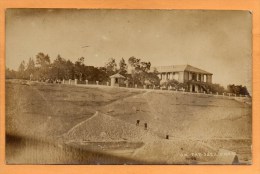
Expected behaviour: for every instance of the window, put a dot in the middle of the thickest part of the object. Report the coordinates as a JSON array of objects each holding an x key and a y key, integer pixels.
[{"x": 193, "y": 76}]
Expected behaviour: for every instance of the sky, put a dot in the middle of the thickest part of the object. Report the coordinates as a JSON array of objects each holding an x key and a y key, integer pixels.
[{"x": 219, "y": 42}]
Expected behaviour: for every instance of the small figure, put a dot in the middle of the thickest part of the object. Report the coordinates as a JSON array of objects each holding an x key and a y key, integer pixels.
[
  {"x": 137, "y": 122},
  {"x": 31, "y": 77},
  {"x": 145, "y": 126},
  {"x": 167, "y": 137}
]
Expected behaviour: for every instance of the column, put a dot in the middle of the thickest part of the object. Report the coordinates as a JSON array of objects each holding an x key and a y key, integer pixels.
[
  {"x": 196, "y": 88},
  {"x": 209, "y": 78}
]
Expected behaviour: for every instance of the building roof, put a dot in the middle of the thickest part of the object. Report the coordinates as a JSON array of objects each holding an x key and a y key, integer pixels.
[
  {"x": 179, "y": 68},
  {"x": 117, "y": 75}
]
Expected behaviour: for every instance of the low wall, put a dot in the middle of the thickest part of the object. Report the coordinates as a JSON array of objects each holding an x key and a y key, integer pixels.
[{"x": 240, "y": 98}]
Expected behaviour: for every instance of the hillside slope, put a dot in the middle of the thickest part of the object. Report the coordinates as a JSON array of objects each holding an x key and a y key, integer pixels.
[
  {"x": 195, "y": 123},
  {"x": 104, "y": 128},
  {"x": 186, "y": 116}
]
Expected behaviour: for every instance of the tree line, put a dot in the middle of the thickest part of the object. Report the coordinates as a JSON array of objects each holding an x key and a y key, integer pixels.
[
  {"x": 136, "y": 71},
  {"x": 237, "y": 89},
  {"x": 41, "y": 68}
]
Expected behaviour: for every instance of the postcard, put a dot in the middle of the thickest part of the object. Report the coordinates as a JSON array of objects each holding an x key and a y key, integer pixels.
[{"x": 117, "y": 86}]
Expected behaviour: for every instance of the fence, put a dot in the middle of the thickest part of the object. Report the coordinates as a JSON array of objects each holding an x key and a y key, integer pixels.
[{"x": 154, "y": 88}]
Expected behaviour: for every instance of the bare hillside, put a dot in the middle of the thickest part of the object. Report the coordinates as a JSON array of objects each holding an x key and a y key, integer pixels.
[
  {"x": 103, "y": 119},
  {"x": 189, "y": 116}
]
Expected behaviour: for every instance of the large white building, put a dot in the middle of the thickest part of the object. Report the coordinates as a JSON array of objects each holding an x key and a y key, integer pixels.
[{"x": 197, "y": 78}]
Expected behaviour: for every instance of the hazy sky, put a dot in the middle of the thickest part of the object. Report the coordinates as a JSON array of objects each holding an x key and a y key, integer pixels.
[{"x": 215, "y": 41}]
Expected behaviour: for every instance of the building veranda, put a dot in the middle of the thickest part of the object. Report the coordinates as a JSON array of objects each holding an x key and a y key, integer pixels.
[{"x": 196, "y": 80}]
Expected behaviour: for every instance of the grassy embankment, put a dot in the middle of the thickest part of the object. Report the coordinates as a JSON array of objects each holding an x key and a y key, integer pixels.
[{"x": 195, "y": 123}]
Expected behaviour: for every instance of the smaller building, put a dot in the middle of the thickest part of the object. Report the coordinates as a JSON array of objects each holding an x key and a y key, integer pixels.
[{"x": 117, "y": 80}]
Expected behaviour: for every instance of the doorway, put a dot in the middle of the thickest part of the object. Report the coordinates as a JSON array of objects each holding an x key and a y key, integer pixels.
[{"x": 193, "y": 88}]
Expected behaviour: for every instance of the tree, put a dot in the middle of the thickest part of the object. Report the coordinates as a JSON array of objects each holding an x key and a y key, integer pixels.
[
  {"x": 101, "y": 74},
  {"x": 43, "y": 62},
  {"x": 238, "y": 89},
  {"x": 42, "y": 59},
  {"x": 151, "y": 78},
  {"x": 88, "y": 72},
  {"x": 134, "y": 62},
  {"x": 111, "y": 66},
  {"x": 174, "y": 83},
  {"x": 10, "y": 74},
  {"x": 145, "y": 66},
  {"x": 216, "y": 88},
  {"x": 30, "y": 67},
  {"x": 122, "y": 67},
  {"x": 140, "y": 70},
  {"x": 69, "y": 70},
  {"x": 21, "y": 66},
  {"x": 21, "y": 70},
  {"x": 58, "y": 70},
  {"x": 244, "y": 91},
  {"x": 79, "y": 68}
]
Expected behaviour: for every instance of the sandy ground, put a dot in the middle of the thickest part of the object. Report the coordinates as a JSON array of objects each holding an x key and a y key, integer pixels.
[{"x": 103, "y": 120}]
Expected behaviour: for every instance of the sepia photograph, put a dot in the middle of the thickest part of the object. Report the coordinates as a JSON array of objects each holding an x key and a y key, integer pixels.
[{"x": 117, "y": 86}]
